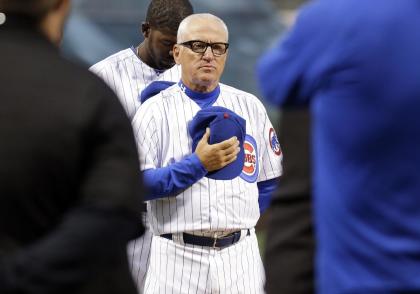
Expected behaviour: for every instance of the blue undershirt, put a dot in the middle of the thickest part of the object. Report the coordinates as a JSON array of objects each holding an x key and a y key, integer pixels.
[
  {"x": 202, "y": 99},
  {"x": 265, "y": 192},
  {"x": 170, "y": 180}
]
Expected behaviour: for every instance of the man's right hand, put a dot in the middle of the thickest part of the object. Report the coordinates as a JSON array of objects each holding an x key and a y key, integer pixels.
[{"x": 216, "y": 156}]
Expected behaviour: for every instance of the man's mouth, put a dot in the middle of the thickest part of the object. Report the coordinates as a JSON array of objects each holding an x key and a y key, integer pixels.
[{"x": 207, "y": 66}]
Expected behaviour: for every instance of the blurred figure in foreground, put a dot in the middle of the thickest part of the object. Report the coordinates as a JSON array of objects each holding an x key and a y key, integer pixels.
[
  {"x": 69, "y": 190},
  {"x": 290, "y": 245},
  {"x": 355, "y": 63}
]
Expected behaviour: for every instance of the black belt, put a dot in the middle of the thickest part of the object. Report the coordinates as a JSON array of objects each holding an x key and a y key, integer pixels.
[{"x": 218, "y": 243}]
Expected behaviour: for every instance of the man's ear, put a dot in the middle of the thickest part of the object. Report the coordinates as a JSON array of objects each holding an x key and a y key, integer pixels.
[
  {"x": 145, "y": 29},
  {"x": 176, "y": 51}
]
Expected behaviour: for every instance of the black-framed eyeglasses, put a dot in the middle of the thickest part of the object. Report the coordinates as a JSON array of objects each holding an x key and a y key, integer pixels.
[{"x": 197, "y": 46}]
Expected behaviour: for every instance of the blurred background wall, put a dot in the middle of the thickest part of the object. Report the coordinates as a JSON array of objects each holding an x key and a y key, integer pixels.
[{"x": 98, "y": 28}]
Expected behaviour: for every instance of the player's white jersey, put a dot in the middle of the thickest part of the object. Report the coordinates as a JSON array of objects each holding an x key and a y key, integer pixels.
[
  {"x": 127, "y": 75},
  {"x": 160, "y": 126}
]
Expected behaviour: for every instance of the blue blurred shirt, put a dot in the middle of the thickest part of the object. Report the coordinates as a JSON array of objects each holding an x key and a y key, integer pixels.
[{"x": 356, "y": 64}]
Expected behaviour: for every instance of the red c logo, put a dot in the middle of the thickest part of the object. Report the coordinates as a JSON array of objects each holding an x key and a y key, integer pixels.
[{"x": 250, "y": 160}]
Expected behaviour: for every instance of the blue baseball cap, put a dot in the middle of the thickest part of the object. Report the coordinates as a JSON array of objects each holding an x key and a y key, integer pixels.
[
  {"x": 153, "y": 89},
  {"x": 223, "y": 124}
]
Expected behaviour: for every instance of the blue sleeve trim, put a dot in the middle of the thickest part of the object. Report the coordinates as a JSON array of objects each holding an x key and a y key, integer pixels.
[
  {"x": 166, "y": 181},
  {"x": 265, "y": 191}
]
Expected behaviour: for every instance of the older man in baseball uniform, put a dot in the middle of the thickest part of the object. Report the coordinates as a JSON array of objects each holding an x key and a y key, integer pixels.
[{"x": 203, "y": 208}]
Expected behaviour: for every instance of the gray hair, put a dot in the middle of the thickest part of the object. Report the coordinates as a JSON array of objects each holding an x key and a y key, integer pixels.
[{"x": 183, "y": 26}]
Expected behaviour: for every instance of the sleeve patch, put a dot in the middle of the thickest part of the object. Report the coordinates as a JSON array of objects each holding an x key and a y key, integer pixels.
[
  {"x": 250, "y": 169},
  {"x": 274, "y": 142}
]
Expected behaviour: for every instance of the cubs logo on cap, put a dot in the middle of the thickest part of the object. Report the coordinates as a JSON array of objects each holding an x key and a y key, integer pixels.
[{"x": 223, "y": 124}]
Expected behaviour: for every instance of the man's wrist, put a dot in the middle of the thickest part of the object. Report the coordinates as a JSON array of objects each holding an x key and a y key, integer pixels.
[{"x": 198, "y": 165}]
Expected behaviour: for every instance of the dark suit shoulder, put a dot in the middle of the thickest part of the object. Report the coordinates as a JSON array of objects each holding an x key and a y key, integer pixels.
[
  {"x": 35, "y": 66},
  {"x": 76, "y": 131}
]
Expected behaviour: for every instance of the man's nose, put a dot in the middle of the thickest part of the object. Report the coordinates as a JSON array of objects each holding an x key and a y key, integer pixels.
[{"x": 208, "y": 54}]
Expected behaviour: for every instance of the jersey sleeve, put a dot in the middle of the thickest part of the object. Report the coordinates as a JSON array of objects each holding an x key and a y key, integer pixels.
[
  {"x": 265, "y": 193},
  {"x": 101, "y": 71},
  {"x": 172, "y": 179},
  {"x": 113, "y": 78},
  {"x": 146, "y": 125},
  {"x": 271, "y": 155},
  {"x": 117, "y": 74}
]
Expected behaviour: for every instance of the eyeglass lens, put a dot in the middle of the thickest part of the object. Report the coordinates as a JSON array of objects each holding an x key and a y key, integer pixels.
[{"x": 201, "y": 47}]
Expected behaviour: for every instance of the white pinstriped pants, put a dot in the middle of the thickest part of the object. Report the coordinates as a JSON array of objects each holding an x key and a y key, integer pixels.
[
  {"x": 139, "y": 255},
  {"x": 176, "y": 268}
]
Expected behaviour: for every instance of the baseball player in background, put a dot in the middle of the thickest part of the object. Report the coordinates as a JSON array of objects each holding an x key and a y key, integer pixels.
[
  {"x": 204, "y": 238},
  {"x": 129, "y": 71}
]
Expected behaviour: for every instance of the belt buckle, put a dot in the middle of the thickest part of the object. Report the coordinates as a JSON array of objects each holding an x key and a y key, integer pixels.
[{"x": 215, "y": 240}]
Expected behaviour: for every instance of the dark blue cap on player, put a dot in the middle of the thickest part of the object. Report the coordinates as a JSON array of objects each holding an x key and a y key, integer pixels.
[
  {"x": 153, "y": 89},
  {"x": 223, "y": 124}
]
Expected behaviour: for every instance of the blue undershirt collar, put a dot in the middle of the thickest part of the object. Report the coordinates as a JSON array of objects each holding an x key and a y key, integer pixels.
[{"x": 202, "y": 99}]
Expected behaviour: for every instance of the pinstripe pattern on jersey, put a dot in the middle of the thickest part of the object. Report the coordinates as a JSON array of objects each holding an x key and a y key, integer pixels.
[
  {"x": 160, "y": 127},
  {"x": 176, "y": 268},
  {"x": 139, "y": 256},
  {"x": 127, "y": 75}
]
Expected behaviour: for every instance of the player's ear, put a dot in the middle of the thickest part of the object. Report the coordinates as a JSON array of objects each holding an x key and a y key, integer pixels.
[
  {"x": 176, "y": 53},
  {"x": 145, "y": 29}
]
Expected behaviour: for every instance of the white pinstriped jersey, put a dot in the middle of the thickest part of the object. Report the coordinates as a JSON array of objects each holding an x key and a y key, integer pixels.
[
  {"x": 160, "y": 126},
  {"x": 127, "y": 75}
]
